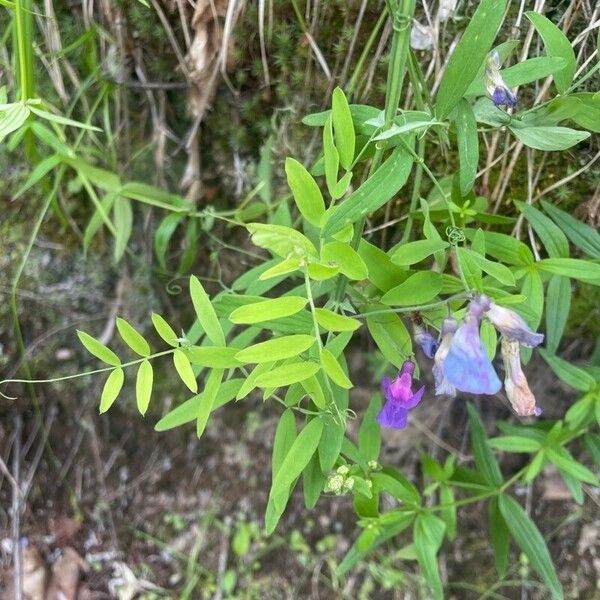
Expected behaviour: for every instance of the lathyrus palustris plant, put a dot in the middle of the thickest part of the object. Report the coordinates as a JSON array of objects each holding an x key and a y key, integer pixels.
[{"x": 457, "y": 278}]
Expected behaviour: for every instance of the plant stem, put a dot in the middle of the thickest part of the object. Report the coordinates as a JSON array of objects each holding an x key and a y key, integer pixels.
[
  {"x": 86, "y": 373},
  {"x": 402, "y": 22}
]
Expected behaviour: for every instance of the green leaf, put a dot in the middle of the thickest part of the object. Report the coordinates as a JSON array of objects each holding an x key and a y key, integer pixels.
[
  {"x": 123, "y": 222},
  {"x": 331, "y": 159},
  {"x": 285, "y": 435},
  {"x": 558, "y": 305},
  {"x": 333, "y": 369},
  {"x": 468, "y": 145},
  {"x": 448, "y": 514},
  {"x": 164, "y": 330},
  {"x": 295, "y": 461},
  {"x": 48, "y": 116},
  {"x": 343, "y": 128},
  {"x": 497, "y": 270},
  {"x": 12, "y": 119},
  {"x": 387, "y": 180},
  {"x": 552, "y": 237},
  {"x": 395, "y": 484},
  {"x": 320, "y": 272},
  {"x": 188, "y": 410},
  {"x": 499, "y": 536},
  {"x": 592, "y": 444},
  {"x": 531, "y": 542},
  {"x": 267, "y": 310},
  {"x": 184, "y": 370},
  {"x": 276, "y": 349},
  {"x": 564, "y": 460},
  {"x": 548, "y": 138},
  {"x": 584, "y": 270},
  {"x": 556, "y": 44},
  {"x": 331, "y": 321},
  {"x": 484, "y": 459},
  {"x": 514, "y": 443},
  {"x": 98, "y": 349},
  {"x": 306, "y": 192},
  {"x": 281, "y": 240},
  {"x": 504, "y": 248},
  {"x": 469, "y": 54},
  {"x": 207, "y": 317},
  {"x": 209, "y": 395},
  {"x": 143, "y": 386},
  {"x": 111, "y": 389},
  {"x": 132, "y": 338},
  {"x": 162, "y": 236},
  {"x": 369, "y": 434},
  {"x": 583, "y": 236},
  {"x": 428, "y": 534},
  {"x": 313, "y": 481},
  {"x": 214, "y": 357},
  {"x": 414, "y": 252},
  {"x": 282, "y": 268},
  {"x": 419, "y": 288},
  {"x": 346, "y": 258},
  {"x": 392, "y": 338},
  {"x": 287, "y": 374},
  {"x": 366, "y": 541}
]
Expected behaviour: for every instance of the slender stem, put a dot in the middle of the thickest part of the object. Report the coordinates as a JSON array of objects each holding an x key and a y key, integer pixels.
[
  {"x": 313, "y": 312},
  {"x": 86, "y": 373},
  {"x": 408, "y": 309},
  {"x": 416, "y": 192}
]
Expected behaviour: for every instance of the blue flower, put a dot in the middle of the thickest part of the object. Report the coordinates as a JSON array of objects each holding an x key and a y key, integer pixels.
[
  {"x": 442, "y": 386},
  {"x": 426, "y": 341},
  {"x": 515, "y": 382},
  {"x": 399, "y": 397},
  {"x": 496, "y": 87},
  {"x": 467, "y": 366},
  {"x": 512, "y": 326}
]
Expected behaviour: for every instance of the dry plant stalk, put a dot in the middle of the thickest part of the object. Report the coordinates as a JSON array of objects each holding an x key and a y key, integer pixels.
[{"x": 212, "y": 24}]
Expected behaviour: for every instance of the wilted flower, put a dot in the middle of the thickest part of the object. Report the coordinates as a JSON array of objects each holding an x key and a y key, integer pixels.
[
  {"x": 515, "y": 382},
  {"x": 425, "y": 340},
  {"x": 499, "y": 92},
  {"x": 512, "y": 326},
  {"x": 442, "y": 386},
  {"x": 467, "y": 366},
  {"x": 399, "y": 397}
]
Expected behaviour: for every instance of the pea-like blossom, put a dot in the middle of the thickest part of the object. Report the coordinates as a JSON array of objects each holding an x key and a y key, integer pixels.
[
  {"x": 442, "y": 386},
  {"x": 467, "y": 366},
  {"x": 399, "y": 397},
  {"x": 499, "y": 92},
  {"x": 512, "y": 326},
  {"x": 515, "y": 382},
  {"x": 425, "y": 340}
]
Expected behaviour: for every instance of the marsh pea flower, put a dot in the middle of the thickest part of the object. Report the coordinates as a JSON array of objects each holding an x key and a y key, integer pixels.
[
  {"x": 426, "y": 341},
  {"x": 442, "y": 386},
  {"x": 499, "y": 92},
  {"x": 512, "y": 326},
  {"x": 515, "y": 382},
  {"x": 399, "y": 397},
  {"x": 467, "y": 366}
]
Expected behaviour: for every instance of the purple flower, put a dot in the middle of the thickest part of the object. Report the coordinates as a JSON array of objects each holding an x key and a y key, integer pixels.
[
  {"x": 496, "y": 87},
  {"x": 515, "y": 382},
  {"x": 467, "y": 366},
  {"x": 399, "y": 397},
  {"x": 442, "y": 386},
  {"x": 512, "y": 326},
  {"x": 426, "y": 341},
  {"x": 502, "y": 96}
]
